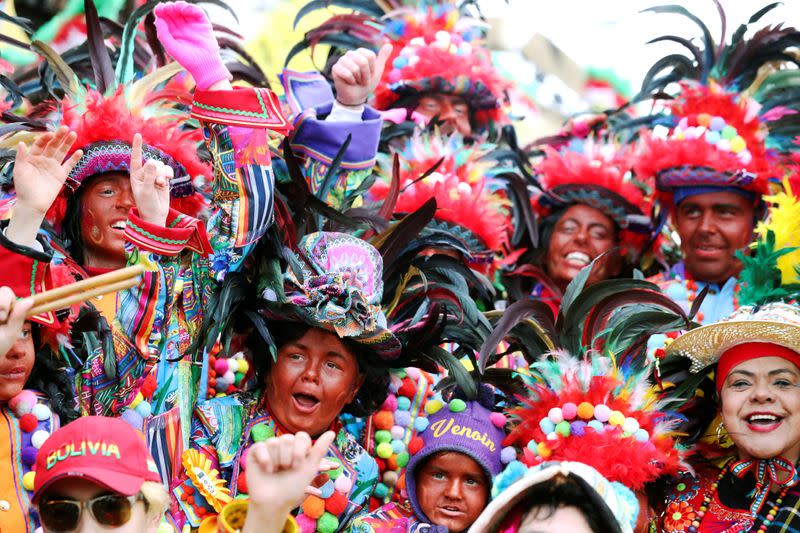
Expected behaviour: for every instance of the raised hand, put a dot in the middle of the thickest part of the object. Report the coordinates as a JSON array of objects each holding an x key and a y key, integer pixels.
[
  {"x": 39, "y": 175},
  {"x": 150, "y": 185},
  {"x": 187, "y": 35},
  {"x": 12, "y": 317},
  {"x": 279, "y": 471},
  {"x": 357, "y": 73}
]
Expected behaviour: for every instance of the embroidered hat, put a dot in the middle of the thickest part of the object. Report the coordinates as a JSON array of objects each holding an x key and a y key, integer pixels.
[
  {"x": 104, "y": 450},
  {"x": 460, "y": 426},
  {"x": 337, "y": 285}
]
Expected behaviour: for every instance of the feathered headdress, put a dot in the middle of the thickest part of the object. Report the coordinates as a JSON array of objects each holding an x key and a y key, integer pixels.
[
  {"x": 730, "y": 123},
  {"x": 599, "y": 176},
  {"x": 589, "y": 411},
  {"x": 435, "y": 50},
  {"x": 468, "y": 203}
]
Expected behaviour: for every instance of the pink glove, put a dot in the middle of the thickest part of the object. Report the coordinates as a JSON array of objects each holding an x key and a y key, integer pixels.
[{"x": 187, "y": 35}]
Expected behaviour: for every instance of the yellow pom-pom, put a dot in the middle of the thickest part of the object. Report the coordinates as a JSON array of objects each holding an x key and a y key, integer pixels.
[
  {"x": 27, "y": 480},
  {"x": 136, "y": 401},
  {"x": 384, "y": 450},
  {"x": 543, "y": 451},
  {"x": 433, "y": 406},
  {"x": 244, "y": 366},
  {"x": 738, "y": 144},
  {"x": 586, "y": 410},
  {"x": 616, "y": 418}
]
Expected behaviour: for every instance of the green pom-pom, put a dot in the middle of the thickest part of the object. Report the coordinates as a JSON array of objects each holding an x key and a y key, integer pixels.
[
  {"x": 563, "y": 428},
  {"x": 402, "y": 459},
  {"x": 333, "y": 474},
  {"x": 384, "y": 450},
  {"x": 383, "y": 436},
  {"x": 261, "y": 432},
  {"x": 237, "y": 377},
  {"x": 457, "y": 405},
  {"x": 401, "y": 373},
  {"x": 327, "y": 523}
]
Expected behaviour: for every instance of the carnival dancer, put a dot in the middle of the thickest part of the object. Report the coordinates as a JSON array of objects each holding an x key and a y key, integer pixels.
[
  {"x": 560, "y": 496},
  {"x": 449, "y": 477},
  {"x": 727, "y": 136}
]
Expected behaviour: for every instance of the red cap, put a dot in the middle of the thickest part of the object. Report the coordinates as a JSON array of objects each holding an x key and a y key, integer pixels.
[{"x": 106, "y": 451}]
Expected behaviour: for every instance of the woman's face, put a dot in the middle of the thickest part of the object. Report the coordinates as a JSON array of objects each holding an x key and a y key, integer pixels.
[
  {"x": 311, "y": 381},
  {"x": 16, "y": 365},
  {"x": 566, "y": 518},
  {"x": 105, "y": 203},
  {"x": 452, "y": 490},
  {"x": 580, "y": 235},
  {"x": 761, "y": 408},
  {"x": 83, "y": 490}
]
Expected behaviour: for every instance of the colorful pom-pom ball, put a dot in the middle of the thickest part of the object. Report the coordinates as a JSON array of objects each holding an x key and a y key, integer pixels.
[
  {"x": 41, "y": 411},
  {"x": 403, "y": 403},
  {"x": 391, "y": 462},
  {"x": 433, "y": 406},
  {"x": 381, "y": 491},
  {"x": 29, "y": 455},
  {"x": 724, "y": 145},
  {"x": 241, "y": 482},
  {"x": 421, "y": 423},
  {"x": 38, "y": 438},
  {"x": 400, "y": 62},
  {"x": 458, "y": 405},
  {"x": 602, "y": 412},
  {"x": 23, "y": 402},
  {"x": 390, "y": 404},
  {"x": 415, "y": 445},
  {"x": 402, "y": 459},
  {"x": 713, "y": 137},
  {"x": 389, "y": 478},
  {"x": 569, "y": 410},
  {"x": 313, "y": 506},
  {"x": 407, "y": 389},
  {"x": 630, "y": 425},
  {"x": 229, "y": 377},
  {"x": 233, "y": 366},
  {"x": 383, "y": 436},
  {"x": 336, "y": 504},
  {"x": 555, "y": 415},
  {"x": 683, "y": 123},
  {"x": 745, "y": 157},
  {"x": 498, "y": 420},
  {"x": 384, "y": 450},
  {"x": 728, "y": 133},
  {"x": 398, "y": 446},
  {"x": 596, "y": 425},
  {"x": 413, "y": 373},
  {"x": 144, "y": 409},
  {"x": 717, "y": 123},
  {"x": 261, "y": 432},
  {"x": 641, "y": 435},
  {"x": 507, "y": 455},
  {"x": 397, "y": 432},
  {"x": 738, "y": 144},
  {"x": 326, "y": 490},
  {"x": 27, "y": 480},
  {"x": 543, "y": 451},
  {"x": 28, "y": 422},
  {"x": 383, "y": 420},
  {"x": 586, "y": 410},
  {"x": 616, "y": 418},
  {"x": 563, "y": 428},
  {"x": 133, "y": 418},
  {"x": 704, "y": 119},
  {"x": 402, "y": 418},
  {"x": 336, "y": 472},
  {"x": 343, "y": 484},
  {"x": 306, "y": 524},
  {"x": 244, "y": 366},
  {"x": 578, "y": 428},
  {"x": 546, "y": 425},
  {"x": 532, "y": 446},
  {"x": 221, "y": 366},
  {"x": 239, "y": 377}
]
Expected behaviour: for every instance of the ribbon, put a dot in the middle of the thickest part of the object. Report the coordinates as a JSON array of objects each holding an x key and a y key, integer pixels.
[{"x": 766, "y": 472}]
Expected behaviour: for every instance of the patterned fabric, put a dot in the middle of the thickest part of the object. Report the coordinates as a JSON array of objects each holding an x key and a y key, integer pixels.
[
  {"x": 720, "y": 301},
  {"x": 391, "y": 518},
  {"x": 338, "y": 289},
  {"x": 222, "y": 431},
  {"x": 729, "y": 509}
]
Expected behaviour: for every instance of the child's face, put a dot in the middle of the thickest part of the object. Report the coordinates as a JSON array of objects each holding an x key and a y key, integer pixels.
[
  {"x": 452, "y": 490},
  {"x": 16, "y": 365}
]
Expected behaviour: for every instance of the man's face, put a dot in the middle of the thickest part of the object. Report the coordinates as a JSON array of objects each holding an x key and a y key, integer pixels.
[
  {"x": 712, "y": 226},
  {"x": 104, "y": 212},
  {"x": 452, "y": 110}
]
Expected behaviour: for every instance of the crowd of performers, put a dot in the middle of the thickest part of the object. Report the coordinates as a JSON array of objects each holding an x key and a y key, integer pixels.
[{"x": 363, "y": 306}]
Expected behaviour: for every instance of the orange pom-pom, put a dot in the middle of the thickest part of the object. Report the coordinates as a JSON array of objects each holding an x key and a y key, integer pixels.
[
  {"x": 392, "y": 462},
  {"x": 336, "y": 504},
  {"x": 383, "y": 420},
  {"x": 401, "y": 482},
  {"x": 313, "y": 507}
]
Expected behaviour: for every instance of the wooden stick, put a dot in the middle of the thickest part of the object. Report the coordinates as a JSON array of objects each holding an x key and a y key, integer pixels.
[
  {"x": 82, "y": 296},
  {"x": 116, "y": 276}
]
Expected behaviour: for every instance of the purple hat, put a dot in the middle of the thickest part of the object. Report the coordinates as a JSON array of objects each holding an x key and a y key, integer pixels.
[{"x": 461, "y": 426}]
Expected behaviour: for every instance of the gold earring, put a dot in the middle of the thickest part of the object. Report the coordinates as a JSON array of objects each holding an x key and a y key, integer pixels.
[
  {"x": 720, "y": 427},
  {"x": 95, "y": 232}
]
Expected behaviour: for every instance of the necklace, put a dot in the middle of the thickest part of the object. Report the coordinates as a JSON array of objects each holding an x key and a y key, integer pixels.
[{"x": 771, "y": 514}]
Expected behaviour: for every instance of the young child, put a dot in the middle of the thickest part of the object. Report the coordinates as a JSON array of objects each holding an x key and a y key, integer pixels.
[{"x": 449, "y": 477}]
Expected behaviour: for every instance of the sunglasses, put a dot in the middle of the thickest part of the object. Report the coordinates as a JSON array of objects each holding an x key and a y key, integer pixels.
[{"x": 109, "y": 510}]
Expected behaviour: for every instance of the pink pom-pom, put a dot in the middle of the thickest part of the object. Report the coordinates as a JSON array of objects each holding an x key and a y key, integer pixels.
[
  {"x": 343, "y": 484},
  {"x": 394, "y": 75},
  {"x": 390, "y": 404},
  {"x": 306, "y": 524},
  {"x": 569, "y": 410},
  {"x": 498, "y": 420},
  {"x": 23, "y": 402},
  {"x": 221, "y": 366},
  {"x": 412, "y": 372}
]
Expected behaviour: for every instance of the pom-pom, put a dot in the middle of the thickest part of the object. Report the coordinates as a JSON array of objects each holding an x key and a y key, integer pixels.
[
  {"x": 641, "y": 435},
  {"x": 555, "y": 415},
  {"x": 717, "y": 123},
  {"x": 41, "y": 412},
  {"x": 577, "y": 428},
  {"x": 433, "y": 406},
  {"x": 306, "y": 524},
  {"x": 383, "y": 420},
  {"x": 149, "y": 386},
  {"x": 563, "y": 428},
  {"x": 402, "y": 418},
  {"x": 596, "y": 425},
  {"x": 630, "y": 425},
  {"x": 403, "y": 403},
  {"x": 383, "y": 436},
  {"x": 23, "y": 402},
  {"x": 508, "y": 454},
  {"x": 327, "y": 489},
  {"x": 543, "y": 451},
  {"x": 133, "y": 418},
  {"x": 547, "y": 425},
  {"x": 586, "y": 410},
  {"x": 616, "y": 418},
  {"x": 728, "y": 133},
  {"x": 384, "y": 450},
  {"x": 261, "y": 432},
  {"x": 229, "y": 377},
  {"x": 241, "y": 482},
  {"x": 602, "y": 412},
  {"x": 415, "y": 445},
  {"x": 244, "y": 366},
  {"x": 336, "y": 472},
  {"x": 390, "y": 404},
  {"x": 397, "y": 432},
  {"x": 389, "y": 478},
  {"x": 38, "y": 438},
  {"x": 221, "y": 366},
  {"x": 144, "y": 409},
  {"x": 28, "y": 480},
  {"x": 421, "y": 424},
  {"x": 28, "y": 422},
  {"x": 313, "y": 507},
  {"x": 402, "y": 459},
  {"x": 498, "y": 419},
  {"x": 327, "y": 523},
  {"x": 457, "y": 406},
  {"x": 343, "y": 484},
  {"x": 139, "y": 398},
  {"x": 569, "y": 410},
  {"x": 29, "y": 455},
  {"x": 381, "y": 491},
  {"x": 398, "y": 446},
  {"x": 407, "y": 389},
  {"x": 336, "y": 504},
  {"x": 233, "y": 366}
]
